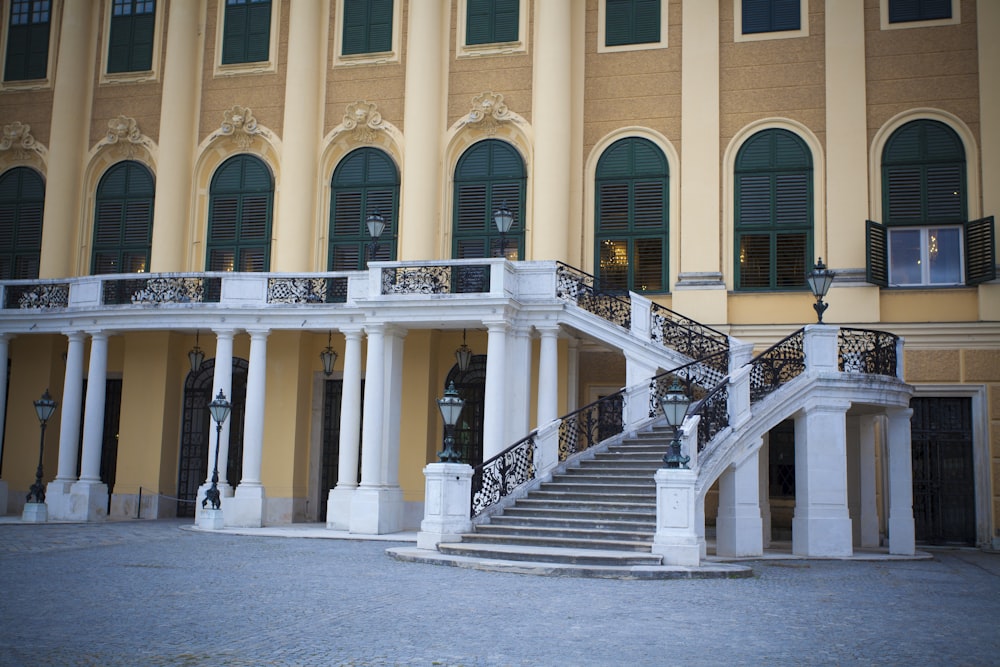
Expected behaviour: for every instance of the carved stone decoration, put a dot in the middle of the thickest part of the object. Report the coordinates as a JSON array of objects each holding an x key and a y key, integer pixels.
[
  {"x": 55, "y": 295},
  {"x": 363, "y": 120},
  {"x": 17, "y": 138},
  {"x": 123, "y": 131},
  {"x": 239, "y": 124},
  {"x": 488, "y": 112}
]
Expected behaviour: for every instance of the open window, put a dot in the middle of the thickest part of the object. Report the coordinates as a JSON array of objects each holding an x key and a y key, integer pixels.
[{"x": 931, "y": 255}]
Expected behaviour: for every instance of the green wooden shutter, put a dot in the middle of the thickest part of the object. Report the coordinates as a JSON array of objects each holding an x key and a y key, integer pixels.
[
  {"x": 489, "y": 174},
  {"x": 877, "y": 240},
  {"x": 22, "y": 198},
  {"x": 491, "y": 21},
  {"x": 366, "y": 181},
  {"x": 27, "y": 40},
  {"x": 240, "y": 208},
  {"x": 123, "y": 220},
  {"x": 631, "y": 22},
  {"x": 770, "y": 15},
  {"x": 367, "y": 26},
  {"x": 980, "y": 251},
  {"x": 130, "y": 42},
  {"x": 247, "y": 31},
  {"x": 902, "y": 11},
  {"x": 923, "y": 175}
]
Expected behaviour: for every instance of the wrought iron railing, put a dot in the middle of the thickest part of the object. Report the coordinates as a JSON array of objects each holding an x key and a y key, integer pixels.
[
  {"x": 689, "y": 337},
  {"x": 867, "y": 351},
  {"x": 436, "y": 279},
  {"x": 780, "y": 363},
  {"x": 713, "y": 408},
  {"x": 591, "y": 424},
  {"x": 496, "y": 478},
  {"x": 581, "y": 289},
  {"x": 697, "y": 378},
  {"x": 36, "y": 295},
  {"x": 307, "y": 290},
  {"x": 156, "y": 290}
]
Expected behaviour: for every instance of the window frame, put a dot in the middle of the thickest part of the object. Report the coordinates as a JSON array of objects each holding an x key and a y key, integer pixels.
[
  {"x": 885, "y": 24},
  {"x": 464, "y": 50},
  {"x": 135, "y": 76},
  {"x": 390, "y": 235},
  {"x": 238, "y": 244},
  {"x": 122, "y": 247},
  {"x": 16, "y": 251},
  {"x": 977, "y": 239},
  {"x": 602, "y": 30},
  {"x": 55, "y": 15},
  {"x": 740, "y": 36},
  {"x": 393, "y": 55},
  {"x": 256, "y": 67}
]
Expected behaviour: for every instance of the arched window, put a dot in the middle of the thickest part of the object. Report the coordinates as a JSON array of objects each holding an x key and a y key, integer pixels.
[
  {"x": 239, "y": 216},
  {"x": 630, "y": 247},
  {"x": 926, "y": 237},
  {"x": 488, "y": 178},
  {"x": 123, "y": 220},
  {"x": 366, "y": 182},
  {"x": 774, "y": 212},
  {"x": 22, "y": 200}
]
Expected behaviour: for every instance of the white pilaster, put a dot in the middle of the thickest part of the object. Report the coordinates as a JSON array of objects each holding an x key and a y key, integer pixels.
[
  {"x": 739, "y": 529},
  {"x": 821, "y": 525},
  {"x": 448, "y": 487},
  {"x": 901, "y": 529},
  {"x": 518, "y": 398},
  {"x": 548, "y": 374},
  {"x": 868, "y": 500},
  {"x": 494, "y": 417},
  {"x": 58, "y": 490},
  {"x": 676, "y": 536},
  {"x": 246, "y": 508},
  {"x": 338, "y": 505},
  {"x": 89, "y": 496}
]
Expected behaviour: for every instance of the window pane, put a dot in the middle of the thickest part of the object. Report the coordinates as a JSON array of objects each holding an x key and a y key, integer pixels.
[
  {"x": 944, "y": 253},
  {"x": 755, "y": 261},
  {"x": 614, "y": 264},
  {"x": 790, "y": 260},
  {"x": 648, "y": 269},
  {"x": 904, "y": 257}
]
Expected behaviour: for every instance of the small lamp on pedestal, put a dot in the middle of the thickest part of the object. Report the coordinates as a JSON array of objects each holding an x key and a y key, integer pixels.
[
  {"x": 219, "y": 408},
  {"x": 820, "y": 279},
  {"x": 675, "y": 404},
  {"x": 450, "y": 405},
  {"x": 44, "y": 407}
]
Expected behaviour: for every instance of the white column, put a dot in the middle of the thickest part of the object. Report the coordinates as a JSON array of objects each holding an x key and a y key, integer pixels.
[
  {"x": 901, "y": 529},
  {"x": 548, "y": 375},
  {"x": 494, "y": 410},
  {"x": 371, "y": 436},
  {"x": 89, "y": 496},
  {"x": 4, "y": 351},
  {"x": 394, "y": 338},
  {"x": 248, "y": 503},
  {"x": 58, "y": 490},
  {"x": 519, "y": 389},
  {"x": 222, "y": 380},
  {"x": 821, "y": 525},
  {"x": 338, "y": 507},
  {"x": 572, "y": 375},
  {"x": 738, "y": 525}
]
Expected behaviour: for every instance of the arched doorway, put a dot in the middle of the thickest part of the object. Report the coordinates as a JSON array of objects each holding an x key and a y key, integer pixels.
[
  {"x": 196, "y": 430},
  {"x": 471, "y": 386}
]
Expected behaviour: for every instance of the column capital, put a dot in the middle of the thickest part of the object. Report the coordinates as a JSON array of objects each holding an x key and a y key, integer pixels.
[
  {"x": 224, "y": 333},
  {"x": 258, "y": 333},
  {"x": 76, "y": 336}
]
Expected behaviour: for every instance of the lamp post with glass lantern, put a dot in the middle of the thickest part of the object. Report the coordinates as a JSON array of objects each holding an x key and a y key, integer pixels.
[
  {"x": 503, "y": 218},
  {"x": 375, "y": 222},
  {"x": 820, "y": 279},
  {"x": 674, "y": 405},
  {"x": 44, "y": 407},
  {"x": 328, "y": 356},
  {"x": 219, "y": 408},
  {"x": 450, "y": 405}
]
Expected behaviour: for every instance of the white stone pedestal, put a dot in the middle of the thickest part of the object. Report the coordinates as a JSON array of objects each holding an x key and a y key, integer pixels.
[
  {"x": 377, "y": 510},
  {"x": 338, "y": 507},
  {"x": 35, "y": 513},
  {"x": 210, "y": 519},
  {"x": 822, "y": 532},
  {"x": 446, "y": 504},
  {"x": 225, "y": 491},
  {"x": 57, "y": 498},
  {"x": 88, "y": 501},
  {"x": 246, "y": 508},
  {"x": 676, "y": 536}
]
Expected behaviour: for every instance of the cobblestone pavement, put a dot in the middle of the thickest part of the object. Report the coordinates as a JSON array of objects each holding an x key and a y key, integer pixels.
[{"x": 150, "y": 593}]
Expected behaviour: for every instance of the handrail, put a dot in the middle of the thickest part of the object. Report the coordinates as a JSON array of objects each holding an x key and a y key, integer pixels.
[
  {"x": 496, "y": 478},
  {"x": 687, "y": 336},
  {"x": 580, "y": 288},
  {"x": 776, "y": 365},
  {"x": 867, "y": 351},
  {"x": 713, "y": 408},
  {"x": 699, "y": 376},
  {"x": 585, "y": 427}
]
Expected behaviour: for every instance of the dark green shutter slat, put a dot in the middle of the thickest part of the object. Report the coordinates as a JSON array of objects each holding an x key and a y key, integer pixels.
[
  {"x": 754, "y": 202},
  {"x": 612, "y": 207},
  {"x": 27, "y": 51},
  {"x": 364, "y": 182},
  {"x": 240, "y": 209},
  {"x": 123, "y": 219},
  {"x": 478, "y": 22},
  {"x": 648, "y": 206},
  {"x": 756, "y": 16},
  {"x": 619, "y": 22},
  {"x": 647, "y": 22},
  {"x": 130, "y": 44},
  {"x": 489, "y": 174},
  {"x": 258, "y": 32},
  {"x": 234, "y": 34},
  {"x": 246, "y": 33},
  {"x": 901, "y": 11},
  {"x": 22, "y": 197},
  {"x": 367, "y": 26},
  {"x": 791, "y": 199},
  {"x": 506, "y": 20},
  {"x": 980, "y": 251},
  {"x": 877, "y": 241}
]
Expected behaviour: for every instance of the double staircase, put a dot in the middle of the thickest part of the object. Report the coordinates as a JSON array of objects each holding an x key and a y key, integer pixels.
[{"x": 599, "y": 512}]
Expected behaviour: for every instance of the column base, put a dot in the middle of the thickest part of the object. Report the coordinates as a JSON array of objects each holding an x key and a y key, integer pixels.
[
  {"x": 338, "y": 507},
  {"x": 376, "y": 510},
  {"x": 822, "y": 536},
  {"x": 246, "y": 508},
  {"x": 88, "y": 501},
  {"x": 738, "y": 536},
  {"x": 902, "y": 538},
  {"x": 57, "y": 498},
  {"x": 35, "y": 513},
  {"x": 210, "y": 519}
]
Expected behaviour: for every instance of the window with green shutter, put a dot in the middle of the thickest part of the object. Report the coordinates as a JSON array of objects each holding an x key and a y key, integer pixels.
[
  {"x": 367, "y": 26},
  {"x": 130, "y": 41},
  {"x": 365, "y": 182},
  {"x": 491, "y": 21},
  {"x": 774, "y": 212},
  {"x": 246, "y": 35},
  {"x": 123, "y": 220},
  {"x": 904, "y": 11},
  {"x": 22, "y": 201},
  {"x": 27, "y": 55},
  {"x": 770, "y": 15},
  {"x": 631, "y": 22},
  {"x": 489, "y": 176},
  {"x": 241, "y": 198},
  {"x": 631, "y": 227},
  {"x": 925, "y": 238}
]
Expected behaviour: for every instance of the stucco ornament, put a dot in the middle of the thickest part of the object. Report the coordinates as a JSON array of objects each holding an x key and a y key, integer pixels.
[
  {"x": 363, "y": 120},
  {"x": 124, "y": 132},
  {"x": 239, "y": 124},
  {"x": 17, "y": 138},
  {"x": 488, "y": 112}
]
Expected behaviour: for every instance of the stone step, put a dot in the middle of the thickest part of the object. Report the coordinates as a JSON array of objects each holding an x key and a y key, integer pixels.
[
  {"x": 606, "y": 480},
  {"x": 500, "y": 532},
  {"x": 540, "y": 554},
  {"x": 602, "y": 496},
  {"x": 579, "y": 506},
  {"x": 648, "y": 525},
  {"x": 571, "y": 511},
  {"x": 622, "y": 465}
]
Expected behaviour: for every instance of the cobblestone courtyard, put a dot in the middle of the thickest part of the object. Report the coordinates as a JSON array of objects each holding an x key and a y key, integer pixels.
[{"x": 153, "y": 594}]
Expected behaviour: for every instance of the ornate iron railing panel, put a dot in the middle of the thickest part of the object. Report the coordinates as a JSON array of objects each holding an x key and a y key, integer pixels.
[
  {"x": 580, "y": 288},
  {"x": 155, "y": 291},
  {"x": 713, "y": 408},
  {"x": 689, "y": 337},
  {"x": 436, "y": 279},
  {"x": 591, "y": 424},
  {"x": 867, "y": 351},
  {"x": 697, "y": 378},
  {"x": 782, "y": 362},
  {"x": 307, "y": 290},
  {"x": 41, "y": 296},
  {"x": 495, "y": 479}
]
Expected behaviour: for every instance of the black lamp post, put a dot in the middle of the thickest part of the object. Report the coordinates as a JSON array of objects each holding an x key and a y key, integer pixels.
[
  {"x": 463, "y": 355},
  {"x": 820, "y": 279},
  {"x": 376, "y": 225},
  {"x": 674, "y": 405},
  {"x": 450, "y": 405},
  {"x": 503, "y": 218},
  {"x": 219, "y": 408},
  {"x": 44, "y": 407},
  {"x": 328, "y": 356}
]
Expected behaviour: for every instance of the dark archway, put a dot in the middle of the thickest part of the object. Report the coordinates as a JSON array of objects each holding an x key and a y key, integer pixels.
[
  {"x": 196, "y": 430},
  {"x": 471, "y": 386}
]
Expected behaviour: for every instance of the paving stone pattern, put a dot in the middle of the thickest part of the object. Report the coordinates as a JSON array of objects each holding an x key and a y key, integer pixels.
[{"x": 151, "y": 593}]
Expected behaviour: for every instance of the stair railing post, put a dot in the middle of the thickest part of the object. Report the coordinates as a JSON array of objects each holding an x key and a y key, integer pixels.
[
  {"x": 547, "y": 449},
  {"x": 819, "y": 345},
  {"x": 447, "y": 504},
  {"x": 641, "y": 316}
]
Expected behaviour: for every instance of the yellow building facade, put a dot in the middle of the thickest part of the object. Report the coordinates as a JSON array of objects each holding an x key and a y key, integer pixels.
[{"x": 702, "y": 155}]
